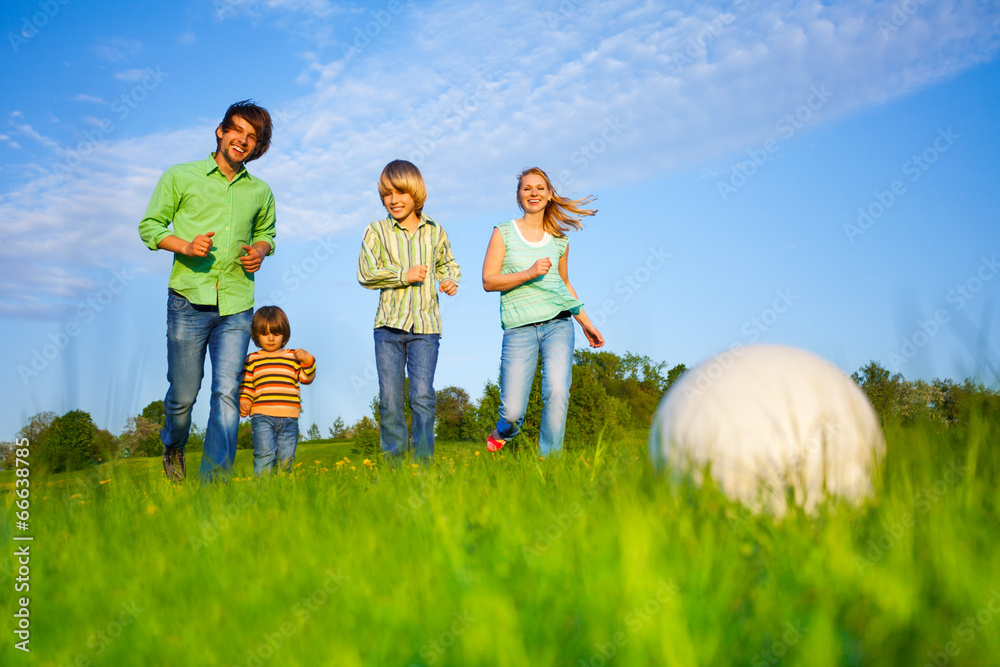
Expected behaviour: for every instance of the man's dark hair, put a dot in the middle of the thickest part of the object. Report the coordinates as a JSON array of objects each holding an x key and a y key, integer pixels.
[{"x": 258, "y": 117}]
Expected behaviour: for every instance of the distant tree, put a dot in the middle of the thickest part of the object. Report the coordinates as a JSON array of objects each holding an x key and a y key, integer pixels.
[
  {"x": 105, "y": 445},
  {"x": 196, "y": 438},
  {"x": 155, "y": 412},
  {"x": 593, "y": 412},
  {"x": 338, "y": 430},
  {"x": 367, "y": 438},
  {"x": 244, "y": 436},
  {"x": 37, "y": 427},
  {"x": 881, "y": 388},
  {"x": 674, "y": 374},
  {"x": 8, "y": 452},
  {"x": 68, "y": 443},
  {"x": 313, "y": 433},
  {"x": 453, "y": 415},
  {"x": 484, "y": 415},
  {"x": 141, "y": 437}
]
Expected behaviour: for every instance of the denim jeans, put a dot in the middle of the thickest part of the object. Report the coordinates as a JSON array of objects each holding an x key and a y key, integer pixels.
[
  {"x": 274, "y": 441},
  {"x": 191, "y": 331},
  {"x": 553, "y": 340},
  {"x": 396, "y": 350}
]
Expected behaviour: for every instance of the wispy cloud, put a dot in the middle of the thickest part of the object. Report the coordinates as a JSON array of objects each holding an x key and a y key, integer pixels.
[
  {"x": 117, "y": 50},
  {"x": 597, "y": 93},
  {"x": 137, "y": 74},
  {"x": 82, "y": 97}
]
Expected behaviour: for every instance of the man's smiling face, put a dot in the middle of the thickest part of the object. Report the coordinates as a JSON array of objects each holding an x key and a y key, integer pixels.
[{"x": 237, "y": 142}]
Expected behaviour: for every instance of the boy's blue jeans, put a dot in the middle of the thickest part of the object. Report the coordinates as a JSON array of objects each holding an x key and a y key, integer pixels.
[
  {"x": 553, "y": 340},
  {"x": 274, "y": 442},
  {"x": 396, "y": 350},
  {"x": 191, "y": 331}
]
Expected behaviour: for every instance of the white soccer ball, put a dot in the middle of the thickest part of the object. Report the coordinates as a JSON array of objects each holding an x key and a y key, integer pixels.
[{"x": 765, "y": 419}]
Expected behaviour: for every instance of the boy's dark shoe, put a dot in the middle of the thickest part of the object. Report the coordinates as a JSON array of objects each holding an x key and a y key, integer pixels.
[{"x": 174, "y": 466}]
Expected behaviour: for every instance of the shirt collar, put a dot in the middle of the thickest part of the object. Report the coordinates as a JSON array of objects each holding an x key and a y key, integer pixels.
[
  {"x": 211, "y": 165},
  {"x": 424, "y": 219}
]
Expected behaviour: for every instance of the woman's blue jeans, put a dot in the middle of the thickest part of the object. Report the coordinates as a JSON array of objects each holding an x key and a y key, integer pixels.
[
  {"x": 274, "y": 442},
  {"x": 191, "y": 331},
  {"x": 396, "y": 350},
  {"x": 553, "y": 341}
]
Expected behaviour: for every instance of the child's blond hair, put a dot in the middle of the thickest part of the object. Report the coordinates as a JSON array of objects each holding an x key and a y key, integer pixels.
[{"x": 403, "y": 176}]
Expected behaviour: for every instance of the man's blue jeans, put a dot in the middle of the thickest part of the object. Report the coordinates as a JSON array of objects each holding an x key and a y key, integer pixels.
[
  {"x": 191, "y": 331},
  {"x": 274, "y": 442},
  {"x": 396, "y": 350},
  {"x": 553, "y": 340}
]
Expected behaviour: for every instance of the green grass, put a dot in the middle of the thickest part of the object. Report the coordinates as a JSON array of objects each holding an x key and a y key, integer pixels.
[{"x": 584, "y": 559}]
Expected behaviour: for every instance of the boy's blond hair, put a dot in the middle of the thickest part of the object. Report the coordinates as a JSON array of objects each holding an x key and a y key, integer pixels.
[{"x": 403, "y": 176}]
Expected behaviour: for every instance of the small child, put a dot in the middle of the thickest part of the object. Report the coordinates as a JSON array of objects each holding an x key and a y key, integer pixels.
[
  {"x": 403, "y": 256},
  {"x": 269, "y": 393}
]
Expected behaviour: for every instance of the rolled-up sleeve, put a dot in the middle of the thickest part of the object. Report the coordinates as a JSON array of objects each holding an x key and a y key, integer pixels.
[{"x": 155, "y": 225}]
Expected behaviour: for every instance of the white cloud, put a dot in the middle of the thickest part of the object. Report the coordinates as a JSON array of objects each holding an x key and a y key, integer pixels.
[
  {"x": 596, "y": 93},
  {"x": 117, "y": 49},
  {"x": 130, "y": 75},
  {"x": 82, "y": 97},
  {"x": 187, "y": 39}
]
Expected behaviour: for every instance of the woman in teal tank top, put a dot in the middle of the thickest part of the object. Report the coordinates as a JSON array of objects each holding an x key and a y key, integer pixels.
[{"x": 527, "y": 262}]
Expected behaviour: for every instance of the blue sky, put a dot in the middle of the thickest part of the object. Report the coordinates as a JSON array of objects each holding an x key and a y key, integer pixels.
[{"x": 819, "y": 175}]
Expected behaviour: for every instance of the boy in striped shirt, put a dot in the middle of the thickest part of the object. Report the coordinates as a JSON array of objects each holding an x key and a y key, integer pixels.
[
  {"x": 402, "y": 256},
  {"x": 269, "y": 394}
]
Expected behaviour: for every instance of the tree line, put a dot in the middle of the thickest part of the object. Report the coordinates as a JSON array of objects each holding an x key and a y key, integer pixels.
[{"x": 610, "y": 394}]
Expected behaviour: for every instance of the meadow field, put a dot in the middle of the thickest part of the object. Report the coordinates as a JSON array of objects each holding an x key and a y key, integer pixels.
[{"x": 587, "y": 559}]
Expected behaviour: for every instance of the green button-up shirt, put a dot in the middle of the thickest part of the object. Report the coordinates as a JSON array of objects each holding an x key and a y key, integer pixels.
[
  {"x": 387, "y": 253},
  {"x": 198, "y": 198}
]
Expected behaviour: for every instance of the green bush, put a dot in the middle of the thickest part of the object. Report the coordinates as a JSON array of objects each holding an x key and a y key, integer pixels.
[{"x": 68, "y": 442}]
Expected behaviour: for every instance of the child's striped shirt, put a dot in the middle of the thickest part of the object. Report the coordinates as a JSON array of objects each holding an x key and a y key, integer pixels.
[{"x": 271, "y": 382}]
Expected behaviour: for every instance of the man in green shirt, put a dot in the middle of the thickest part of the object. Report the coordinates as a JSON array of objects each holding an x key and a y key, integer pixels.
[{"x": 223, "y": 227}]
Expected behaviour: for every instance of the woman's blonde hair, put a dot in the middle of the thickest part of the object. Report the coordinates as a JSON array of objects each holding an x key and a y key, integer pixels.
[
  {"x": 561, "y": 214},
  {"x": 403, "y": 176}
]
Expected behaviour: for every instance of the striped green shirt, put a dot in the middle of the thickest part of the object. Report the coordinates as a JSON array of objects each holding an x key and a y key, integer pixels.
[
  {"x": 387, "y": 253},
  {"x": 541, "y": 298},
  {"x": 197, "y": 198}
]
